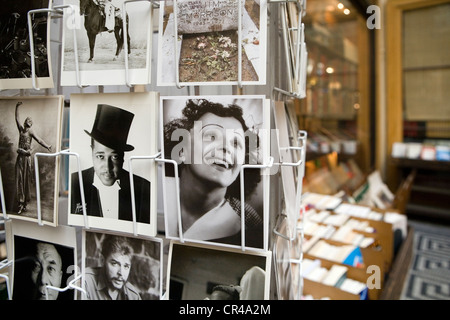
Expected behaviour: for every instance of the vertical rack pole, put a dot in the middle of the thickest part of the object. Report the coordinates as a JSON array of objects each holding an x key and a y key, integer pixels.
[
  {"x": 177, "y": 190},
  {"x": 242, "y": 192},
  {"x": 240, "y": 43},
  {"x": 302, "y": 136},
  {"x": 284, "y": 30},
  {"x": 175, "y": 24},
  {"x": 4, "y": 264},
  {"x": 2, "y": 195},
  {"x": 299, "y": 40}
]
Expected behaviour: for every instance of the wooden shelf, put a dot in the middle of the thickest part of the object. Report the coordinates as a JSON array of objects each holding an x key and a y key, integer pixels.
[
  {"x": 429, "y": 189},
  {"x": 421, "y": 164},
  {"x": 310, "y": 155}
]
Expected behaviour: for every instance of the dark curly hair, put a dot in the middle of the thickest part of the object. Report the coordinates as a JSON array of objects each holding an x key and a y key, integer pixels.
[
  {"x": 113, "y": 244},
  {"x": 193, "y": 111}
]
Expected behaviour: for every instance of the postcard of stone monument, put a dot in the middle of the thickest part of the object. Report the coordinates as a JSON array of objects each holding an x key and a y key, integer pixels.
[{"x": 212, "y": 42}]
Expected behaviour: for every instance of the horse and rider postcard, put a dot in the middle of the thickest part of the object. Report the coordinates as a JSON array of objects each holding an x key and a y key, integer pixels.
[{"x": 106, "y": 42}]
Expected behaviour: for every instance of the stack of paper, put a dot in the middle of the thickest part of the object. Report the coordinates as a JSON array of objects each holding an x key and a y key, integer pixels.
[
  {"x": 335, "y": 276},
  {"x": 352, "y": 286},
  {"x": 320, "y": 216},
  {"x": 309, "y": 265},
  {"x": 336, "y": 219},
  {"x": 358, "y": 211},
  {"x": 321, "y": 231},
  {"x": 347, "y": 235},
  {"x": 318, "y": 274},
  {"x": 331, "y": 252},
  {"x": 320, "y": 201},
  {"x": 360, "y": 225},
  {"x": 309, "y": 243},
  {"x": 353, "y": 210}
]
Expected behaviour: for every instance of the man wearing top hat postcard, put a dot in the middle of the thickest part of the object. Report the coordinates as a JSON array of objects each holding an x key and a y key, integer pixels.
[{"x": 106, "y": 184}]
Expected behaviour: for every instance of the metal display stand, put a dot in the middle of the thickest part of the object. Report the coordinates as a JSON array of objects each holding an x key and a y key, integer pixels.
[
  {"x": 296, "y": 57},
  {"x": 157, "y": 158},
  {"x": 2, "y": 196},
  {"x": 242, "y": 186},
  {"x": 296, "y": 66},
  {"x": 125, "y": 32},
  {"x": 6, "y": 264},
  {"x": 292, "y": 238},
  {"x": 38, "y": 188},
  {"x": 71, "y": 285}
]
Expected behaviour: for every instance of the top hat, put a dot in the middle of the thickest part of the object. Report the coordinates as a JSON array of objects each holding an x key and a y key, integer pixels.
[{"x": 111, "y": 127}]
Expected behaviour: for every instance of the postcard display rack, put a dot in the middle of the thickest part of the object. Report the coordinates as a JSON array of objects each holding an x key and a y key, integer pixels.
[{"x": 283, "y": 232}]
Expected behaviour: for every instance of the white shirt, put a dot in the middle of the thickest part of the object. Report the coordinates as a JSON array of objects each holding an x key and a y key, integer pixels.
[{"x": 109, "y": 198}]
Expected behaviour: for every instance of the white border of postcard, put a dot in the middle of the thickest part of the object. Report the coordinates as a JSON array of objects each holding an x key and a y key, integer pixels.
[{"x": 142, "y": 136}]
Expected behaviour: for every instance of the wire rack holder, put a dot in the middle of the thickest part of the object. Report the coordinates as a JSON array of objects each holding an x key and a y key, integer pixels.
[
  {"x": 55, "y": 10},
  {"x": 38, "y": 189},
  {"x": 156, "y": 158},
  {"x": 5, "y": 264},
  {"x": 153, "y": 4},
  {"x": 70, "y": 285}
]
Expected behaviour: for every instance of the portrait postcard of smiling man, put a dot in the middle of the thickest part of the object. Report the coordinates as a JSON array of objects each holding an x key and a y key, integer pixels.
[
  {"x": 212, "y": 138},
  {"x": 108, "y": 131}
]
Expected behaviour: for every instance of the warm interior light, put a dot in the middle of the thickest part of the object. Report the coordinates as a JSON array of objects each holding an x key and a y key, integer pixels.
[
  {"x": 329, "y": 70},
  {"x": 340, "y": 6},
  {"x": 346, "y": 11}
]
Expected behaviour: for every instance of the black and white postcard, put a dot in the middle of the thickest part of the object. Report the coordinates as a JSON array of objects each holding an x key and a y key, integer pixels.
[
  {"x": 117, "y": 267},
  {"x": 30, "y": 125},
  {"x": 206, "y": 51},
  {"x": 212, "y": 139},
  {"x": 15, "y": 52},
  {"x": 102, "y": 45},
  {"x": 197, "y": 272},
  {"x": 107, "y": 132},
  {"x": 44, "y": 260}
]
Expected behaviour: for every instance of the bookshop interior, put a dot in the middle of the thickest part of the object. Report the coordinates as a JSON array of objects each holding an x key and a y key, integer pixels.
[{"x": 225, "y": 149}]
